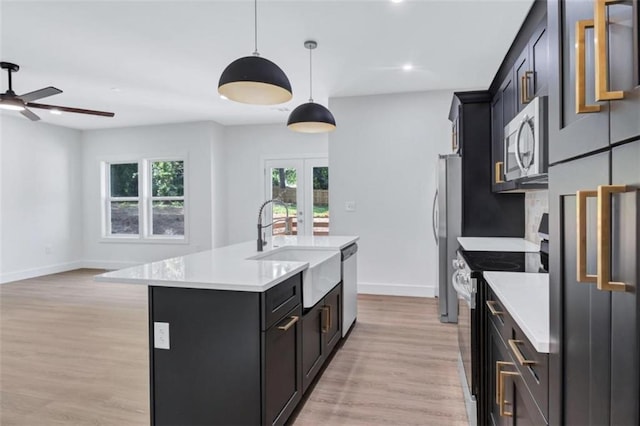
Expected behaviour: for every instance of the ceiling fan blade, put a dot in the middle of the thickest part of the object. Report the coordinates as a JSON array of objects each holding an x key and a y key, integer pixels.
[
  {"x": 30, "y": 115},
  {"x": 68, "y": 109},
  {"x": 39, "y": 94}
]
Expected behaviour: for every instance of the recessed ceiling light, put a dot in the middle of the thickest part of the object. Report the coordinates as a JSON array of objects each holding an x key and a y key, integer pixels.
[
  {"x": 407, "y": 67},
  {"x": 397, "y": 1},
  {"x": 55, "y": 111}
]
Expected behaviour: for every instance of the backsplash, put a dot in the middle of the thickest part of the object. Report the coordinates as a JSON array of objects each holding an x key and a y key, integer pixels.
[{"x": 535, "y": 204}]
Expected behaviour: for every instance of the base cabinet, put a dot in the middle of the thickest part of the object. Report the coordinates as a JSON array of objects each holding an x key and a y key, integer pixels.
[
  {"x": 322, "y": 330},
  {"x": 229, "y": 358}
]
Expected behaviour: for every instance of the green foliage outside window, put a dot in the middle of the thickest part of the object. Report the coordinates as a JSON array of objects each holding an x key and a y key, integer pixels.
[
  {"x": 124, "y": 180},
  {"x": 167, "y": 178}
]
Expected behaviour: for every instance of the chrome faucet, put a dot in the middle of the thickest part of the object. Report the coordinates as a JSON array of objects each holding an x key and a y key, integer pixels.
[{"x": 287, "y": 230}]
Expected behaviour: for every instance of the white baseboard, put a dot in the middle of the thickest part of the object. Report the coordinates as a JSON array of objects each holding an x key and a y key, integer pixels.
[
  {"x": 38, "y": 272},
  {"x": 108, "y": 264},
  {"x": 396, "y": 289}
]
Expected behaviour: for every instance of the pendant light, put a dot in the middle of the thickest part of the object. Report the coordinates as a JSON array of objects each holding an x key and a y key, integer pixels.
[
  {"x": 311, "y": 117},
  {"x": 255, "y": 80}
]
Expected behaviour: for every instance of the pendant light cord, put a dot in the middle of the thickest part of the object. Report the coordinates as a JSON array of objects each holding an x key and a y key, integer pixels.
[
  {"x": 310, "y": 77},
  {"x": 255, "y": 27}
]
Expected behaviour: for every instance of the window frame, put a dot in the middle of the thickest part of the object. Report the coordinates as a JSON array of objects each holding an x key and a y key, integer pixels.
[{"x": 144, "y": 200}]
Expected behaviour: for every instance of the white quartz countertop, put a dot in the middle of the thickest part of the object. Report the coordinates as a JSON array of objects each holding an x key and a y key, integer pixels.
[
  {"x": 227, "y": 268},
  {"x": 497, "y": 244},
  {"x": 526, "y": 297}
]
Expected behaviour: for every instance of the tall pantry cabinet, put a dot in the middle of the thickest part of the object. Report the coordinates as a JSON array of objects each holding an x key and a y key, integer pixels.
[{"x": 594, "y": 206}]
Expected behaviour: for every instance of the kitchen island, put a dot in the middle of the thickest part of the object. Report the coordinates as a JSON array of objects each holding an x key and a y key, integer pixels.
[{"x": 235, "y": 335}]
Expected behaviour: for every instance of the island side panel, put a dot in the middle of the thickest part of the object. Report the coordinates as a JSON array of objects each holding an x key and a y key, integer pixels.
[{"x": 211, "y": 372}]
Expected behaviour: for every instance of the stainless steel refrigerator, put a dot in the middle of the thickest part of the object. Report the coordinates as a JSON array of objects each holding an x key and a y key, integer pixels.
[{"x": 447, "y": 223}]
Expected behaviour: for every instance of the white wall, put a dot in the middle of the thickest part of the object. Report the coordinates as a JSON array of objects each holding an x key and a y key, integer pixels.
[
  {"x": 41, "y": 198},
  {"x": 383, "y": 156},
  {"x": 246, "y": 148},
  {"x": 201, "y": 145}
]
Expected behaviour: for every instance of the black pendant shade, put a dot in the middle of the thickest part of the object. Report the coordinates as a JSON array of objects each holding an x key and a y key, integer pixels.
[
  {"x": 311, "y": 118},
  {"x": 255, "y": 80}
]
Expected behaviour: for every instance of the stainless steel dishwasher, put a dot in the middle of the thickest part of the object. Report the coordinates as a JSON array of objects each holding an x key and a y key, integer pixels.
[{"x": 349, "y": 287}]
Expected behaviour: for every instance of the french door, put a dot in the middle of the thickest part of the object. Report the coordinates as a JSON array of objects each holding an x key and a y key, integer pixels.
[{"x": 303, "y": 185}]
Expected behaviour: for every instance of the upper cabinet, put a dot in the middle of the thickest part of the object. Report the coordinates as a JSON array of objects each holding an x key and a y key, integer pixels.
[
  {"x": 523, "y": 75},
  {"x": 594, "y": 96}
]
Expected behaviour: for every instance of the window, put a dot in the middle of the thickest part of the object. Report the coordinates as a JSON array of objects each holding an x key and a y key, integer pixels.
[{"x": 144, "y": 200}]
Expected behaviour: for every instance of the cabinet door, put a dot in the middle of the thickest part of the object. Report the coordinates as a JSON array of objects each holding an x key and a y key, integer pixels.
[
  {"x": 508, "y": 93},
  {"x": 497, "y": 144},
  {"x": 625, "y": 320},
  {"x": 580, "y": 314},
  {"x": 283, "y": 372},
  {"x": 624, "y": 64},
  {"x": 496, "y": 352},
  {"x": 539, "y": 58},
  {"x": 333, "y": 303},
  {"x": 572, "y": 134},
  {"x": 523, "y": 75},
  {"x": 525, "y": 412},
  {"x": 313, "y": 345}
]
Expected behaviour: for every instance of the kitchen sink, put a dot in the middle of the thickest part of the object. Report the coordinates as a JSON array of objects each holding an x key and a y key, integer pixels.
[{"x": 321, "y": 276}]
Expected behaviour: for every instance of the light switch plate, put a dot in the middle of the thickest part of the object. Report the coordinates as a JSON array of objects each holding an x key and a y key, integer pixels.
[
  {"x": 350, "y": 206},
  {"x": 161, "y": 335}
]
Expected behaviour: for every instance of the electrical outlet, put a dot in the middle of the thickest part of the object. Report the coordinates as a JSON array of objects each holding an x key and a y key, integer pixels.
[
  {"x": 350, "y": 206},
  {"x": 161, "y": 335},
  {"x": 48, "y": 249}
]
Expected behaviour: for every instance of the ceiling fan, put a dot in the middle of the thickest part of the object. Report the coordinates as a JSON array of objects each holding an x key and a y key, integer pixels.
[{"x": 9, "y": 100}]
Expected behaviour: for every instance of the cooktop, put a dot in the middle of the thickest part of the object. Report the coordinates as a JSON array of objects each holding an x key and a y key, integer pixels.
[{"x": 507, "y": 261}]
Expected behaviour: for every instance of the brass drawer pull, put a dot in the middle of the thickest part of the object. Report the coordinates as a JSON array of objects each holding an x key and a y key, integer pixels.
[
  {"x": 499, "y": 365},
  {"x": 503, "y": 402},
  {"x": 600, "y": 29},
  {"x": 581, "y": 232},
  {"x": 491, "y": 305},
  {"x": 513, "y": 344},
  {"x": 294, "y": 319},
  {"x": 581, "y": 79}
]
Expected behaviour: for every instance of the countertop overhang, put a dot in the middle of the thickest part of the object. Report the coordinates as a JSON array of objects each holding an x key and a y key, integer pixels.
[
  {"x": 526, "y": 297},
  {"x": 227, "y": 268}
]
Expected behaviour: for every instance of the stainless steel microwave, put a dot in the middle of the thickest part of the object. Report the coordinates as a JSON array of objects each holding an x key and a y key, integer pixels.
[{"x": 525, "y": 142}]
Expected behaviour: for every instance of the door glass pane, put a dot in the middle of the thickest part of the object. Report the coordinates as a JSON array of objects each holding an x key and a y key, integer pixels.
[
  {"x": 320, "y": 201},
  {"x": 124, "y": 217},
  {"x": 124, "y": 180},
  {"x": 284, "y": 182},
  {"x": 168, "y": 217}
]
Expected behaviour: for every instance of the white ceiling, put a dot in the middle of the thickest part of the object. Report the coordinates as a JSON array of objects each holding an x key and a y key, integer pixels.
[{"x": 159, "y": 61}]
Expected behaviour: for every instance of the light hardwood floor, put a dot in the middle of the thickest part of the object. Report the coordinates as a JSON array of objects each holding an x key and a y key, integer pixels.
[{"x": 74, "y": 352}]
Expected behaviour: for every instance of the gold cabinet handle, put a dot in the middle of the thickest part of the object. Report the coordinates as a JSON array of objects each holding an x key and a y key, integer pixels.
[
  {"x": 503, "y": 402},
  {"x": 513, "y": 344},
  {"x": 581, "y": 78},
  {"x": 498, "y": 171},
  {"x": 326, "y": 324},
  {"x": 294, "y": 319},
  {"x": 492, "y": 308},
  {"x": 600, "y": 29},
  {"x": 524, "y": 87},
  {"x": 581, "y": 232},
  {"x": 604, "y": 238},
  {"x": 499, "y": 365}
]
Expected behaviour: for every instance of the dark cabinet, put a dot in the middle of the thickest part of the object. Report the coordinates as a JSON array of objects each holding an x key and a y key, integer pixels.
[
  {"x": 322, "y": 330},
  {"x": 595, "y": 371},
  {"x": 283, "y": 372},
  {"x": 232, "y": 358},
  {"x": 524, "y": 79},
  {"x": 594, "y": 89},
  {"x": 515, "y": 391}
]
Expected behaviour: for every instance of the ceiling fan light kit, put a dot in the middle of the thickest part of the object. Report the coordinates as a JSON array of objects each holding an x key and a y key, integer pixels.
[
  {"x": 311, "y": 117},
  {"x": 10, "y": 101},
  {"x": 255, "y": 80}
]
